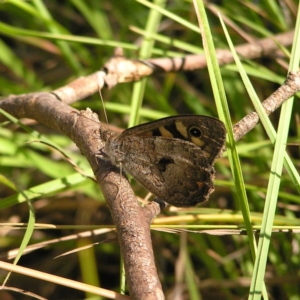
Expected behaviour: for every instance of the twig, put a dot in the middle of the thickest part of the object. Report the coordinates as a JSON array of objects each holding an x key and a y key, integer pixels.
[
  {"x": 119, "y": 69},
  {"x": 290, "y": 87}
]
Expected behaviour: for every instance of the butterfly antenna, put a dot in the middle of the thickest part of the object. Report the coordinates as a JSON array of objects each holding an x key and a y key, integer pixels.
[
  {"x": 105, "y": 115},
  {"x": 101, "y": 84}
]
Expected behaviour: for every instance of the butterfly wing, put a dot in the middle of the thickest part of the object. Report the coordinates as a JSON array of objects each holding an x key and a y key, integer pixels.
[
  {"x": 206, "y": 132},
  {"x": 172, "y": 157}
]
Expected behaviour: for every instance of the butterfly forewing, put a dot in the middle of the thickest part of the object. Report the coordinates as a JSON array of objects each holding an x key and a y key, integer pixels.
[{"x": 211, "y": 137}]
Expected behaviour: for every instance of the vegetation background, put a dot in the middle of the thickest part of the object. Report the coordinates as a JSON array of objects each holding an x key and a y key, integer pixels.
[{"x": 47, "y": 44}]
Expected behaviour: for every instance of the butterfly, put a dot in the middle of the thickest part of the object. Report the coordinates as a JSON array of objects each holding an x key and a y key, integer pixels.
[{"x": 172, "y": 157}]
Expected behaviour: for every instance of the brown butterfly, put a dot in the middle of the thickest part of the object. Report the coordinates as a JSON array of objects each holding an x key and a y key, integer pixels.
[{"x": 172, "y": 157}]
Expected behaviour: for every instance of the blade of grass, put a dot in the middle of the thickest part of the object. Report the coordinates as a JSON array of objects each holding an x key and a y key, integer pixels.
[
  {"x": 275, "y": 178},
  {"x": 168, "y": 41},
  {"x": 9, "y": 30},
  {"x": 221, "y": 102},
  {"x": 186, "y": 270},
  {"x": 45, "y": 189},
  {"x": 274, "y": 181},
  {"x": 96, "y": 18},
  {"x": 170, "y": 15},
  {"x": 62, "y": 281},
  {"x": 64, "y": 46},
  {"x": 88, "y": 264},
  {"x": 145, "y": 52},
  {"x": 27, "y": 236},
  {"x": 16, "y": 65}
]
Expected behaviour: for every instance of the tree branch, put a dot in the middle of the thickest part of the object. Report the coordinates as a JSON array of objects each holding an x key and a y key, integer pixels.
[{"x": 132, "y": 221}]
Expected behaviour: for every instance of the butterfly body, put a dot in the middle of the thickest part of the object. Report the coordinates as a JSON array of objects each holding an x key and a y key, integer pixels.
[{"x": 172, "y": 157}]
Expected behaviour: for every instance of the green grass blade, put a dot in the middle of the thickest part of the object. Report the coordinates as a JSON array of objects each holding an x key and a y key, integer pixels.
[
  {"x": 64, "y": 46},
  {"x": 16, "y": 31},
  {"x": 257, "y": 286},
  {"x": 145, "y": 52},
  {"x": 170, "y": 15},
  {"x": 274, "y": 180},
  {"x": 96, "y": 18},
  {"x": 27, "y": 236},
  {"x": 223, "y": 110},
  {"x": 44, "y": 190}
]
